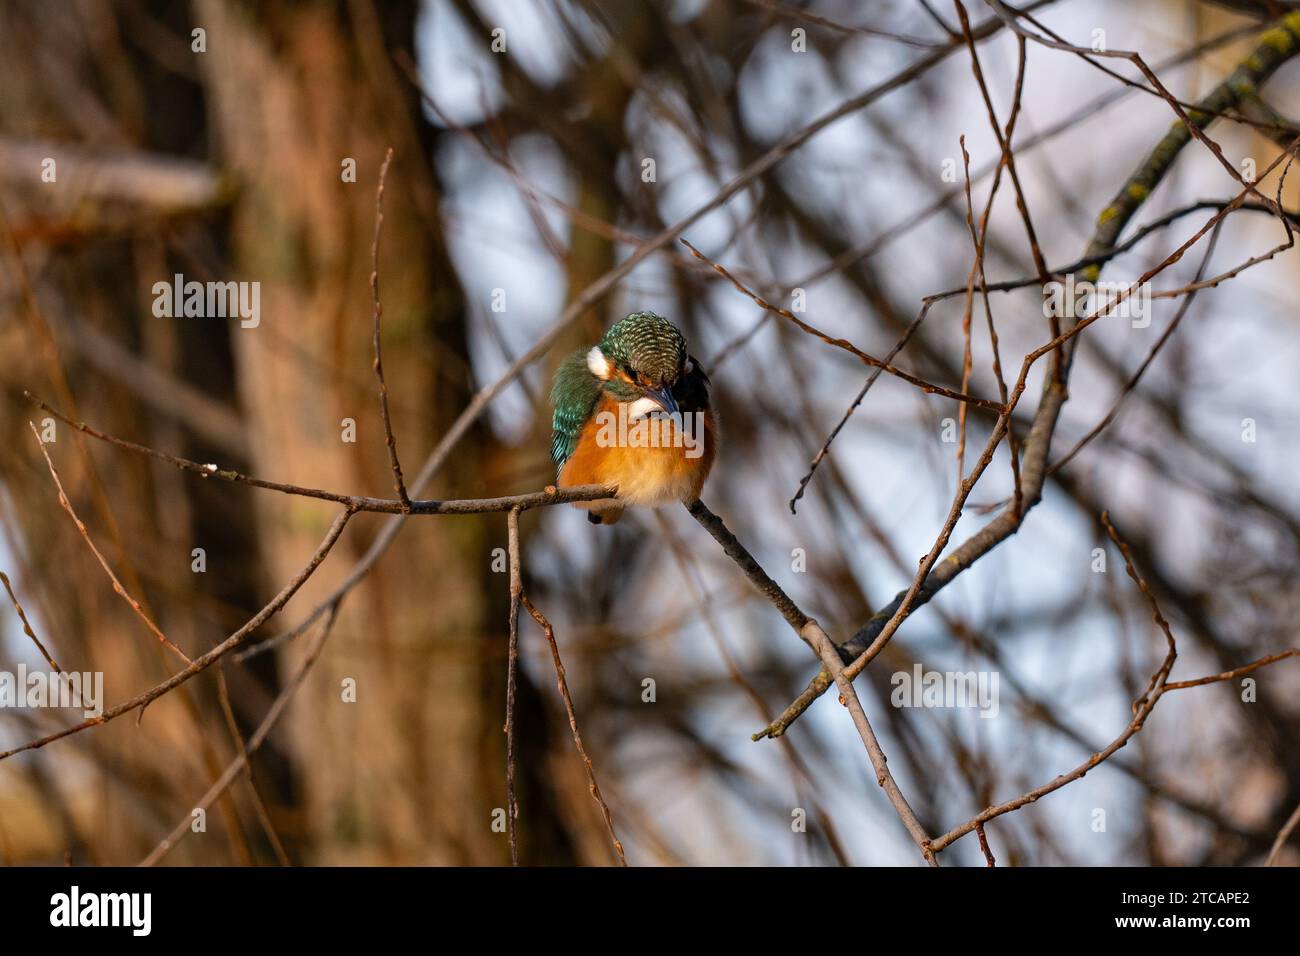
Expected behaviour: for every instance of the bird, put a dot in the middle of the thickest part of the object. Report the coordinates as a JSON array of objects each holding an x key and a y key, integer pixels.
[{"x": 633, "y": 411}]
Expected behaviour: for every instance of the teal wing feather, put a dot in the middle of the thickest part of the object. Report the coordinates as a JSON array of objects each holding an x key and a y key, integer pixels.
[{"x": 574, "y": 396}]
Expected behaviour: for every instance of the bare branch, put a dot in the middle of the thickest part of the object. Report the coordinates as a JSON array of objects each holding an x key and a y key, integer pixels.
[
  {"x": 563, "y": 685},
  {"x": 512, "y": 667},
  {"x": 85, "y": 534},
  {"x": 27, "y": 628},
  {"x": 241, "y": 762},
  {"x": 378, "y": 363},
  {"x": 201, "y": 663}
]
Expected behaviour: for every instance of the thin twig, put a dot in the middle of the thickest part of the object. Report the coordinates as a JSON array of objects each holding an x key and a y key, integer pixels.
[
  {"x": 27, "y": 628},
  {"x": 563, "y": 685},
  {"x": 808, "y": 16},
  {"x": 85, "y": 534},
  {"x": 1283, "y": 835},
  {"x": 979, "y": 236},
  {"x": 201, "y": 663},
  {"x": 969, "y": 308},
  {"x": 378, "y": 363},
  {"x": 841, "y": 343},
  {"x": 431, "y": 506},
  {"x": 255, "y": 742},
  {"x": 984, "y": 845},
  {"x": 1235, "y": 672},
  {"x": 853, "y": 406},
  {"x": 241, "y": 748},
  {"x": 512, "y": 667}
]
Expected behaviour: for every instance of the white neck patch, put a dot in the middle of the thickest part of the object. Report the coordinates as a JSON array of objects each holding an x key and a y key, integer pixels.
[
  {"x": 597, "y": 364},
  {"x": 642, "y": 408}
]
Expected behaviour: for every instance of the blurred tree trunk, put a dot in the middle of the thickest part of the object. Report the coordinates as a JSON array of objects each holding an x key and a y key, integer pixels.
[
  {"x": 414, "y": 766},
  {"x": 283, "y": 96}
]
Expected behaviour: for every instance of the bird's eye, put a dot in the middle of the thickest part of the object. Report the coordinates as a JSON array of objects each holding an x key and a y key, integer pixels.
[{"x": 636, "y": 379}]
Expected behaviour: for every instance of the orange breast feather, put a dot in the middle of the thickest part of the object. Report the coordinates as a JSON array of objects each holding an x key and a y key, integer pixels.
[{"x": 673, "y": 471}]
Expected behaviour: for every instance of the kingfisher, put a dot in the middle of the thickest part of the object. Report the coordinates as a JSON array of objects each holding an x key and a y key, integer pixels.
[{"x": 633, "y": 411}]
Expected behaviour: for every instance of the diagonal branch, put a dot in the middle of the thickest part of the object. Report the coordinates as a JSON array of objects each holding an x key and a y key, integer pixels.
[
  {"x": 203, "y": 662},
  {"x": 241, "y": 761},
  {"x": 117, "y": 585},
  {"x": 849, "y": 695},
  {"x": 27, "y": 628},
  {"x": 563, "y": 685},
  {"x": 811, "y": 633}
]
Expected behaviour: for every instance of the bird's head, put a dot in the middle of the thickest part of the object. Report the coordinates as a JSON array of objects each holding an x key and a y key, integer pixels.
[{"x": 639, "y": 360}]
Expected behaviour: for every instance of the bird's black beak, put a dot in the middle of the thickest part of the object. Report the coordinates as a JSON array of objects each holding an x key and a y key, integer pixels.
[{"x": 664, "y": 397}]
